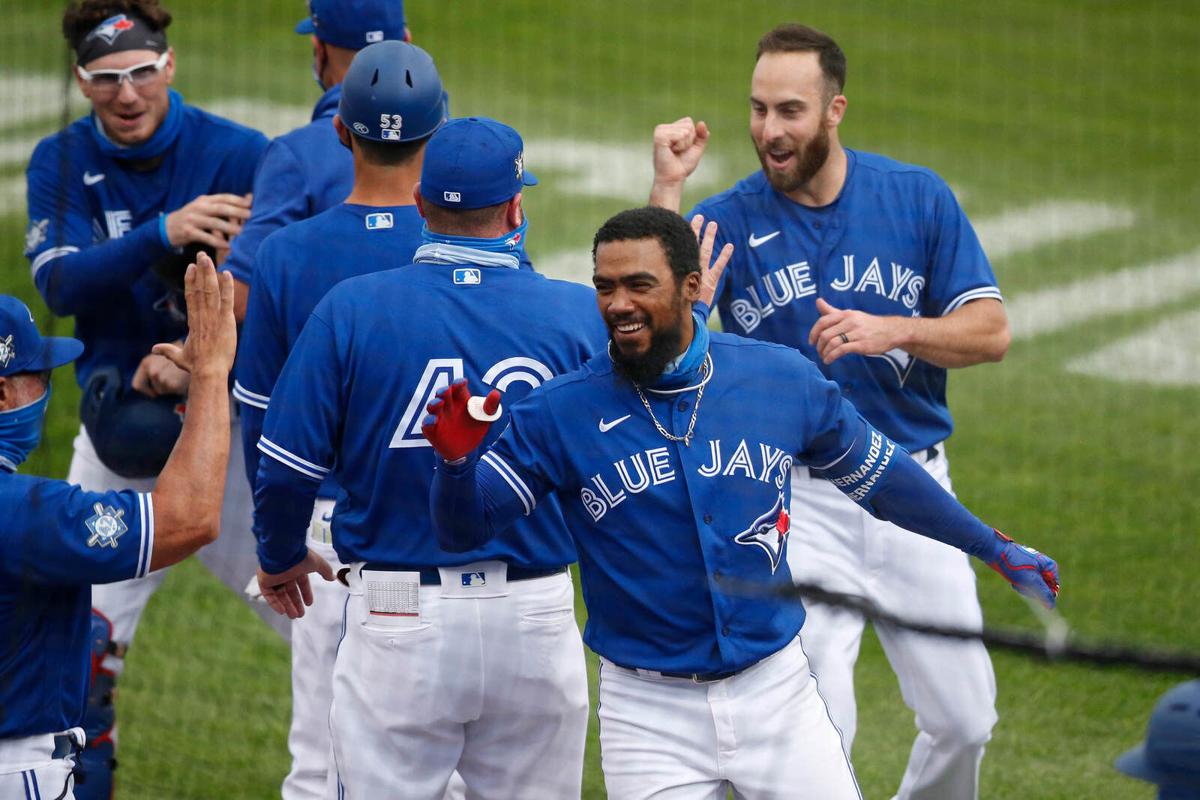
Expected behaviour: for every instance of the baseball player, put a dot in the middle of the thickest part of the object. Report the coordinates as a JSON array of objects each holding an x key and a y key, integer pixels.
[
  {"x": 869, "y": 267},
  {"x": 1170, "y": 756},
  {"x": 471, "y": 661},
  {"x": 308, "y": 170},
  {"x": 671, "y": 455},
  {"x": 58, "y": 539},
  {"x": 111, "y": 199},
  {"x": 376, "y": 228}
]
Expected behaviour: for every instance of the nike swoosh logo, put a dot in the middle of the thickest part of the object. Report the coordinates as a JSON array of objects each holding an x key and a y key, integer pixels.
[
  {"x": 605, "y": 427},
  {"x": 90, "y": 180},
  {"x": 755, "y": 241}
]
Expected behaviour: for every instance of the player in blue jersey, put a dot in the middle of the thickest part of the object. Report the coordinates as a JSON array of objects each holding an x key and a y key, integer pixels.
[
  {"x": 870, "y": 268},
  {"x": 58, "y": 539},
  {"x": 472, "y": 661},
  {"x": 112, "y": 198},
  {"x": 671, "y": 455},
  {"x": 376, "y": 228},
  {"x": 308, "y": 170}
]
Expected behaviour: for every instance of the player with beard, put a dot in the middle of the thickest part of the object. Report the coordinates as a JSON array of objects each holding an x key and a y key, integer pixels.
[
  {"x": 673, "y": 478},
  {"x": 870, "y": 268}
]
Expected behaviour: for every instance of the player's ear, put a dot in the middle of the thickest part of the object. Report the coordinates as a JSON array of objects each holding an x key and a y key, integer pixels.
[
  {"x": 835, "y": 111},
  {"x": 691, "y": 286},
  {"x": 420, "y": 201},
  {"x": 343, "y": 133},
  {"x": 8, "y": 395},
  {"x": 169, "y": 69},
  {"x": 514, "y": 214}
]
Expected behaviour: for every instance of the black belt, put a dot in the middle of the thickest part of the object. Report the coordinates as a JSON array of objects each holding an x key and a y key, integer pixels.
[
  {"x": 929, "y": 453},
  {"x": 64, "y": 745},
  {"x": 430, "y": 576},
  {"x": 695, "y": 677}
]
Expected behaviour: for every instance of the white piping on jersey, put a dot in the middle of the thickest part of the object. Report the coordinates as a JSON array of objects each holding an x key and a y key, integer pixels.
[
  {"x": 267, "y": 447},
  {"x": 442, "y": 253},
  {"x": 146, "y": 549},
  {"x": 250, "y": 398},
  {"x": 972, "y": 294},
  {"x": 512, "y": 479},
  {"x": 51, "y": 254},
  {"x": 707, "y": 377}
]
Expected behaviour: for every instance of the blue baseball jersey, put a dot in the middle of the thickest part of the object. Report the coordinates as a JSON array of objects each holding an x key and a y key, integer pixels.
[
  {"x": 302, "y": 173},
  {"x": 57, "y": 541},
  {"x": 95, "y": 229},
  {"x": 352, "y": 395},
  {"x": 895, "y": 242},
  {"x": 655, "y": 521},
  {"x": 295, "y": 268}
]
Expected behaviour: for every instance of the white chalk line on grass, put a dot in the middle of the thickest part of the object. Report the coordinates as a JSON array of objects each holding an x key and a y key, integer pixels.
[
  {"x": 1027, "y": 228},
  {"x": 1166, "y": 354}
]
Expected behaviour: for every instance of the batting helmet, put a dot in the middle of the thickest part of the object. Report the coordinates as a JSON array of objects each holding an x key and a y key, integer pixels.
[
  {"x": 392, "y": 93},
  {"x": 133, "y": 434}
]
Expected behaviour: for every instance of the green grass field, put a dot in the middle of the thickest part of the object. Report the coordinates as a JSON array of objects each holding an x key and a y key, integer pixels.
[{"x": 1077, "y": 114}]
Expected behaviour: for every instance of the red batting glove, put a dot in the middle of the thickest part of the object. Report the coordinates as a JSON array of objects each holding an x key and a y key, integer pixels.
[{"x": 457, "y": 422}]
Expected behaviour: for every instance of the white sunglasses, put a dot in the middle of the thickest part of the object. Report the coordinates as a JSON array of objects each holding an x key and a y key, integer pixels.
[{"x": 137, "y": 75}]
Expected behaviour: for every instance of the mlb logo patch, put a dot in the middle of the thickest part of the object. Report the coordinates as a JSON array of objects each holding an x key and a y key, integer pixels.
[
  {"x": 390, "y": 135},
  {"x": 468, "y": 277},
  {"x": 374, "y": 36},
  {"x": 452, "y": 197},
  {"x": 379, "y": 221},
  {"x": 474, "y": 579}
]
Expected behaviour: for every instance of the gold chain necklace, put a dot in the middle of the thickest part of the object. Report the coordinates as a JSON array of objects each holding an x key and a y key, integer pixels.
[{"x": 687, "y": 437}]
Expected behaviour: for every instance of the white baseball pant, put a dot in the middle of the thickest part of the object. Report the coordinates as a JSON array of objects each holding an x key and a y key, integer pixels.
[
  {"x": 489, "y": 680},
  {"x": 948, "y": 683},
  {"x": 764, "y": 734},
  {"x": 30, "y": 770}
]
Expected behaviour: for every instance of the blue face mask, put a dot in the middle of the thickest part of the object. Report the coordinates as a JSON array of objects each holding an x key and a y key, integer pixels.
[
  {"x": 20, "y": 432},
  {"x": 511, "y": 242}
]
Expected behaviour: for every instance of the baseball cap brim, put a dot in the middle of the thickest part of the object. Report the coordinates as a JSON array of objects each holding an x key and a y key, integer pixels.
[
  {"x": 1134, "y": 764},
  {"x": 56, "y": 351},
  {"x": 529, "y": 179},
  {"x": 306, "y": 26}
]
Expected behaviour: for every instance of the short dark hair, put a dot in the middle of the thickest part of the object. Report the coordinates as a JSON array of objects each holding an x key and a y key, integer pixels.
[
  {"x": 464, "y": 221},
  {"x": 792, "y": 37},
  {"x": 82, "y": 16},
  {"x": 388, "y": 154},
  {"x": 674, "y": 235}
]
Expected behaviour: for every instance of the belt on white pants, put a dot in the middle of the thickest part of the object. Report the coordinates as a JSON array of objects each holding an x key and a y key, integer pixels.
[{"x": 27, "y": 752}]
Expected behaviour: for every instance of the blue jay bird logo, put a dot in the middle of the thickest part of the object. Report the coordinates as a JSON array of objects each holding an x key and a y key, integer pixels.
[
  {"x": 7, "y": 351},
  {"x": 111, "y": 28},
  {"x": 769, "y": 532}
]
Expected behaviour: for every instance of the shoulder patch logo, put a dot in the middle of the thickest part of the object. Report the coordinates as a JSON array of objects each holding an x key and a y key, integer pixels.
[
  {"x": 106, "y": 526},
  {"x": 36, "y": 234},
  {"x": 468, "y": 277},
  {"x": 769, "y": 532},
  {"x": 7, "y": 351},
  {"x": 379, "y": 221}
]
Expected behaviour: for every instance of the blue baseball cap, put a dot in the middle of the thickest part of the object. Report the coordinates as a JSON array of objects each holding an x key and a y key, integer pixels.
[
  {"x": 1170, "y": 756},
  {"x": 354, "y": 24},
  {"x": 23, "y": 348},
  {"x": 474, "y": 162}
]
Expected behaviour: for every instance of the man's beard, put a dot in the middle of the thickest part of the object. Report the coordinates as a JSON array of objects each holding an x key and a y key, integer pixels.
[
  {"x": 809, "y": 160},
  {"x": 645, "y": 369}
]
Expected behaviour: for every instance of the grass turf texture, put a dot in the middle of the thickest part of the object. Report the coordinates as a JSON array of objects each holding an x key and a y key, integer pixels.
[{"x": 1014, "y": 102}]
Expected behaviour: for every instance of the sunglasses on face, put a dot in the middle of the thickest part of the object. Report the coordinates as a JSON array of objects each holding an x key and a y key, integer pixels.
[{"x": 109, "y": 80}]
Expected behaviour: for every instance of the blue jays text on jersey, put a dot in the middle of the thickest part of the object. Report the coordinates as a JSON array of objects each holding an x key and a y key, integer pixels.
[
  {"x": 352, "y": 394},
  {"x": 57, "y": 541},
  {"x": 294, "y": 268},
  {"x": 895, "y": 242},
  {"x": 95, "y": 228},
  {"x": 659, "y": 525}
]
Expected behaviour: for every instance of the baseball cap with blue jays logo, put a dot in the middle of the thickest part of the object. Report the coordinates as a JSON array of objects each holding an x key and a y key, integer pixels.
[
  {"x": 474, "y": 162},
  {"x": 354, "y": 24},
  {"x": 23, "y": 348}
]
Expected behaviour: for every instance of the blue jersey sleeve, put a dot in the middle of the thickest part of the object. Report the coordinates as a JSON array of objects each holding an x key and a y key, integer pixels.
[
  {"x": 281, "y": 197},
  {"x": 472, "y": 502},
  {"x": 261, "y": 354},
  {"x": 960, "y": 271},
  {"x": 56, "y": 533},
  {"x": 298, "y": 444},
  {"x": 69, "y": 270}
]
